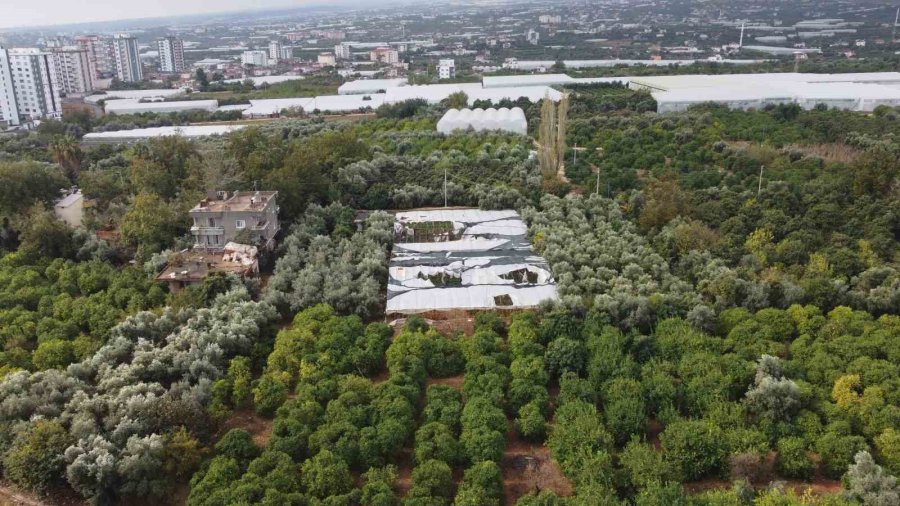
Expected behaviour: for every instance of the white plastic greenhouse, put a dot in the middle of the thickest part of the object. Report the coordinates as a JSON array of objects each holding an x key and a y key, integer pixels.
[{"x": 509, "y": 120}]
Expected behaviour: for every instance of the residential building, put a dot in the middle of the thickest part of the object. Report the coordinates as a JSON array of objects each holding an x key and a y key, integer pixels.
[
  {"x": 245, "y": 217},
  {"x": 330, "y": 34},
  {"x": 171, "y": 54},
  {"x": 73, "y": 70},
  {"x": 532, "y": 36},
  {"x": 258, "y": 58},
  {"x": 275, "y": 50},
  {"x": 191, "y": 267},
  {"x": 342, "y": 51},
  {"x": 28, "y": 87},
  {"x": 548, "y": 19},
  {"x": 385, "y": 55},
  {"x": 127, "y": 59},
  {"x": 446, "y": 69},
  {"x": 70, "y": 208},
  {"x": 100, "y": 56},
  {"x": 295, "y": 36},
  {"x": 327, "y": 60}
]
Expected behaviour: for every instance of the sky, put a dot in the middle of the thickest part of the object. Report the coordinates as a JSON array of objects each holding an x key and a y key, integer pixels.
[{"x": 22, "y": 13}]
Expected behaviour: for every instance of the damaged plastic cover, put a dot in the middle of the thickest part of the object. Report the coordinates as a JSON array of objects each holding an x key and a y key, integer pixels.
[{"x": 464, "y": 259}]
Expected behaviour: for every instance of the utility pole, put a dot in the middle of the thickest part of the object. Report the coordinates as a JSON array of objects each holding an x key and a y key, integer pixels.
[
  {"x": 445, "y": 186},
  {"x": 759, "y": 188},
  {"x": 575, "y": 154},
  {"x": 598, "y": 181},
  {"x": 894, "y": 31}
]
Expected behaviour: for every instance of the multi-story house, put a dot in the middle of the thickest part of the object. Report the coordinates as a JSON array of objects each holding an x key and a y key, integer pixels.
[
  {"x": 446, "y": 69},
  {"x": 241, "y": 217}
]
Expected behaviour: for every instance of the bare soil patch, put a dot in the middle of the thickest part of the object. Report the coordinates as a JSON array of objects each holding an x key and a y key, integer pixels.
[
  {"x": 260, "y": 428},
  {"x": 452, "y": 381},
  {"x": 529, "y": 467}
]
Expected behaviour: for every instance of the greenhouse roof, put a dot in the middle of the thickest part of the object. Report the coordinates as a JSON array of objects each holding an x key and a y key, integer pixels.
[
  {"x": 369, "y": 85},
  {"x": 133, "y": 94},
  {"x": 130, "y": 106},
  {"x": 258, "y": 80},
  {"x": 469, "y": 259},
  {"x": 147, "y": 133},
  {"x": 526, "y": 80}
]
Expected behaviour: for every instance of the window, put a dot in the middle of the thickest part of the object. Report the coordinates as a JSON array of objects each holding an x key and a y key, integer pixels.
[{"x": 240, "y": 224}]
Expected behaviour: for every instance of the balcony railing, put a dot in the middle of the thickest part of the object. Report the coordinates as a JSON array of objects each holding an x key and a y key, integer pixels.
[{"x": 207, "y": 230}]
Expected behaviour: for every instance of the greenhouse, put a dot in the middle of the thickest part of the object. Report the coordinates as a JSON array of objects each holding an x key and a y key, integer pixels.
[
  {"x": 469, "y": 259},
  {"x": 508, "y": 120}
]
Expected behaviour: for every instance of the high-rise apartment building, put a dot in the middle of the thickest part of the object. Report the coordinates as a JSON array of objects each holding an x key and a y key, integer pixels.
[
  {"x": 128, "y": 61},
  {"x": 100, "y": 55},
  {"x": 171, "y": 54},
  {"x": 342, "y": 51},
  {"x": 257, "y": 58},
  {"x": 73, "y": 69},
  {"x": 275, "y": 50},
  {"x": 28, "y": 88},
  {"x": 384, "y": 55}
]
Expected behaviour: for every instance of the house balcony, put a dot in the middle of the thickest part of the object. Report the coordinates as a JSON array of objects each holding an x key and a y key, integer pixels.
[{"x": 207, "y": 230}]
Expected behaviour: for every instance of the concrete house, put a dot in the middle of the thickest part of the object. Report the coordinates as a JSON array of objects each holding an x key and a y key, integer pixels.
[{"x": 243, "y": 217}]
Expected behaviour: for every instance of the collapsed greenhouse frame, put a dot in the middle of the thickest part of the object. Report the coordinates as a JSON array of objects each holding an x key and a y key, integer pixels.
[{"x": 464, "y": 259}]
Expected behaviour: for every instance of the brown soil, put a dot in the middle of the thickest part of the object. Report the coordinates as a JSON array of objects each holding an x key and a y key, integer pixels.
[
  {"x": 11, "y": 495},
  {"x": 259, "y": 428},
  {"x": 453, "y": 381},
  {"x": 404, "y": 471},
  {"x": 653, "y": 430},
  {"x": 529, "y": 467}
]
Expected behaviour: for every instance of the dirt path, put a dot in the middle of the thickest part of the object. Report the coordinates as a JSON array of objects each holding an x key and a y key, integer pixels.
[{"x": 12, "y": 498}]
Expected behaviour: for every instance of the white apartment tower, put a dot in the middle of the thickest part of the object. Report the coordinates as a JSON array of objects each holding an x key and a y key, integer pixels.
[
  {"x": 74, "y": 74},
  {"x": 27, "y": 86},
  {"x": 275, "y": 50},
  {"x": 342, "y": 51},
  {"x": 446, "y": 69},
  {"x": 257, "y": 58},
  {"x": 171, "y": 54},
  {"x": 128, "y": 61}
]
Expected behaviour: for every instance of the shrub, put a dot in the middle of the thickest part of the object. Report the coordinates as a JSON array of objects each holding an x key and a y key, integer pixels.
[
  {"x": 35, "y": 460},
  {"x": 793, "y": 459},
  {"x": 238, "y": 445},
  {"x": 695, "y": 447}
]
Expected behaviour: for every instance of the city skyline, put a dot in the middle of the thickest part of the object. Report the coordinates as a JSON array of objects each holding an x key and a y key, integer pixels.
[{"x": 48, "y": 13}]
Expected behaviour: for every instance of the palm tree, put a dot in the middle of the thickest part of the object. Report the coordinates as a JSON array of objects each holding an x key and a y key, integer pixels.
[{"x": 67, "y": 154}]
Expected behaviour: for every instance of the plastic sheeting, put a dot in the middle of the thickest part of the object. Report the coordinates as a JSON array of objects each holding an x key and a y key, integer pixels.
[
  {"x": 487, "y": 264},
  {"x": 508, "y": 120},
  {"x": 130, "y": 106}
]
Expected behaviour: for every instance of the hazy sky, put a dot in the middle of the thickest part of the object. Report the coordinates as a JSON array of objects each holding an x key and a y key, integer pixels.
[{"x": 15, "y": 13}]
